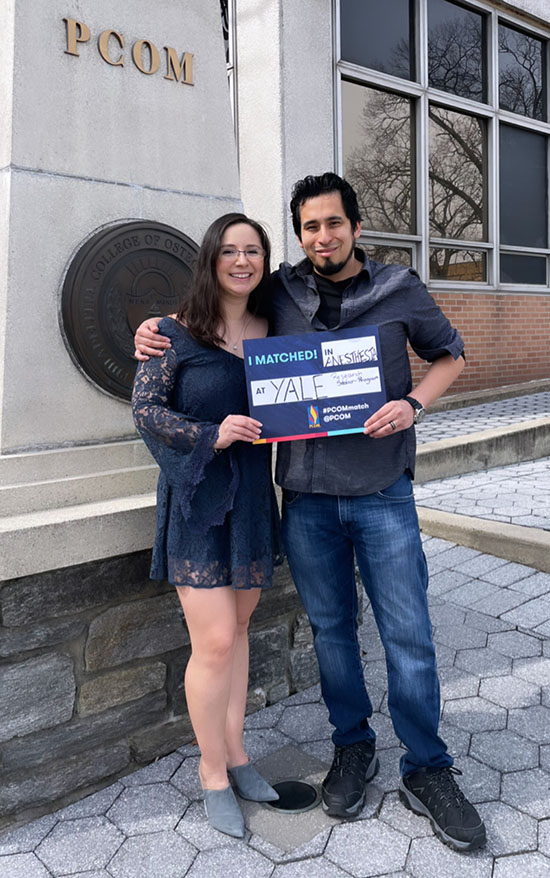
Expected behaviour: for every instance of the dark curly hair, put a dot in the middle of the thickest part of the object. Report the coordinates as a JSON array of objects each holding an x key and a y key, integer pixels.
[
  {"x": 200, "y": 310},
  {"x": 323, "y": 184}
]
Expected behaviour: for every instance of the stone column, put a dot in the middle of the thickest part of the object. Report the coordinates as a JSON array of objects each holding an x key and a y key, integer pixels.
[
  {"x": 102, "y": 124},
  {"x": 285, "y": 107}
]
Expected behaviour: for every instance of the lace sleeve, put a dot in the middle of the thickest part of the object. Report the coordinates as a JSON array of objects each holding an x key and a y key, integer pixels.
[
  {"x": 182, "y": 446},
  {"x": 153, "y": 416}
]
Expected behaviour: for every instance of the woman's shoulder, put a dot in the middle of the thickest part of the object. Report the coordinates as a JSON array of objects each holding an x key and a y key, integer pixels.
[
  {"x": 184, "y": 345},
  {"x": 178, "y": 334},
  {"x": 172, "y": 327}
]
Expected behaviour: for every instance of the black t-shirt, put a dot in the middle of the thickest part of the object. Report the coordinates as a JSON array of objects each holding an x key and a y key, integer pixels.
[{"x": 330, "y": 294}]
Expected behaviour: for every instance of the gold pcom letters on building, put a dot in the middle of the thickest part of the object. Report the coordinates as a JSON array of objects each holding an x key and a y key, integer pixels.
[{"x": 111, "y": 48}]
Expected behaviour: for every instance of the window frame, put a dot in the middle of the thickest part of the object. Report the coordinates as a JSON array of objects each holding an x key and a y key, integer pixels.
[
  {"x": 231, "y": 61},
  {"x": 422, "y": 95}
]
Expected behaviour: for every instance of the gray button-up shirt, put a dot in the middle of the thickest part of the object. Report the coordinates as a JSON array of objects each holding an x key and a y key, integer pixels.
[{"x": 393, "y": 298}]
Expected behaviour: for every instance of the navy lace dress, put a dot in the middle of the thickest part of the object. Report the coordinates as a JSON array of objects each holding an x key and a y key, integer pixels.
[{"x": 217, "y": 519}]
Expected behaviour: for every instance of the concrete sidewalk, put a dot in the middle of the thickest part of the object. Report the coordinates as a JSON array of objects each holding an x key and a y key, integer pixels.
[
  {"x": 484, "y": 416},
  {"x": 486, "y": 495},
  {"x": 491, "y": 621}
]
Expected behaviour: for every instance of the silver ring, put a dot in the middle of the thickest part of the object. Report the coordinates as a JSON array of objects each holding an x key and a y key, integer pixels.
[{"x": 392, "y": 425}]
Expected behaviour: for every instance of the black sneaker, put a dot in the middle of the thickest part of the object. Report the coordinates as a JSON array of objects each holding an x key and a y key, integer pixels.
[
  {"x": 344, "y": 788},
  {"x": 435, "y": 794}
]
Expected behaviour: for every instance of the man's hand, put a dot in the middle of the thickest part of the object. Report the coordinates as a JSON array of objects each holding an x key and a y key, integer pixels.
[
  {"x": 147, "y": 340},
  {"x": 393, "y": 416},
  {"x": 237, "y": 428}
]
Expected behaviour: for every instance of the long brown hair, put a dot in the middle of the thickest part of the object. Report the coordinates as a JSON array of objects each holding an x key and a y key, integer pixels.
[{"x": 200, "y": 310}]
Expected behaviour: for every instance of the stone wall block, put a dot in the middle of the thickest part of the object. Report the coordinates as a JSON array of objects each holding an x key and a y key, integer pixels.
[
  {"x": 27, "y": 789},
  {"x": 281, "y": 600},
  {"x": 150, "y": 743},
  {"x": 81, "y": 735},
  {"x": 304, "y": 667},
  {"x": 256, "y": 700},
  {"x": 20, "y": 640},
  {"x": 139, "y": 629},
  {"x": 269, "y": 657},
  {"x": 302, "y": 634},
  {"x": 35, "y": 694},
  {"x": 74, "y": 589},
  {"x": 176, "y": 680},
  {"x": 119, "y": 687},
  {"x": 278, "y": 692}
]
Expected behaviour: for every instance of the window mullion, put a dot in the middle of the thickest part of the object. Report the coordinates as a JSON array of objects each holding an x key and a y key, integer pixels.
[
  {"x": 377, "y": 78},
  {"x": 547, "y": 186},
  {"x": 421, "y": 34},
  {"x": 421, "y": 141},
  {"x": 422, "y": 186},
  {"x": 493, "y": 189},
  {"x": 546, "y": 81},
  {"x": 339, "y": 122},
  {"x": 493, "y": 195}
]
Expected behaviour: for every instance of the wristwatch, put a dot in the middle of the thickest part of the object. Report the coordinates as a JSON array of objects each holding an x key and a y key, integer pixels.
[{"x": 419, "y": 410}]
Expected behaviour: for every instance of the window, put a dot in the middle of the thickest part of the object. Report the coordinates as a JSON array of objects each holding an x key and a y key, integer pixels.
[
  {"x": 522, "y": 80},
  {"x": 227, "y": 8},
  {"x": 377, "y": 142},
  {"x": 444, "y": 135},
  {"x": 523, "y": 187},
  {"x": 449, "y": 264},
  {"x": 378, "y": 34},
  {"x": 456, "y": 50},
  {"x": 389, "y": 255},
  {"x": 456, "y": 165},
  {"x": 522, "y": 269}
]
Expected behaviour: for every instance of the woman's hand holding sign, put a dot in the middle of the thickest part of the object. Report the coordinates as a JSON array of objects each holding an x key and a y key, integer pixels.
[
  {"x": 237, "y": 428},
  {"x": 393, "y": 416}
]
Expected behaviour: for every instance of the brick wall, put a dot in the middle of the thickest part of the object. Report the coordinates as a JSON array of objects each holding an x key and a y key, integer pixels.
[{"x": 507, "y": 338}]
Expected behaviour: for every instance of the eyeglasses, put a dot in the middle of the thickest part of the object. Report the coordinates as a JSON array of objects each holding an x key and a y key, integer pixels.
[{"x": 230, "y": 253}]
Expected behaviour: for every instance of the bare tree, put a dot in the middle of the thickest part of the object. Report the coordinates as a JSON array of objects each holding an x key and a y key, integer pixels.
[
  {"x": 455, "y": 57},
  {"x": 380, "y": 169},
  {"x": 521, "y": 73}
]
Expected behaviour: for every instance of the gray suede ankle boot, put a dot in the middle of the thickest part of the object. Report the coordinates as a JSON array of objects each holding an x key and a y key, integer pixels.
[
  {"x": 223, "y": 812},
  {"x": 251, "y": 785}
]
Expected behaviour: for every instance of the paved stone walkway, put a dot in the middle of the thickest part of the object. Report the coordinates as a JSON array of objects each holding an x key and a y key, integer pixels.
[
  {"x": 516, "y": 494},
  {"x": 486, "y": 416},
  {"x": 491, "y": 627},
  {"x": 490, "y": 619}
]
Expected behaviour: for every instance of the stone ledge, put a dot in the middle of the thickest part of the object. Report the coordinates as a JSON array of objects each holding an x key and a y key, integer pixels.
[
  {"x": 61, "y": 463},
  {"x": 490, "y": 394},
  {"x": 48, "y": 540},
  {"x": 474, "y": 452},
  {"x": 20, "y": 499},
  {"x": 525, "y": 545}
]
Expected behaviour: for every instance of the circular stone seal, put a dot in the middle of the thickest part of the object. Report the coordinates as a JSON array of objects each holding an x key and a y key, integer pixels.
[{"x": 118, "y": 278}]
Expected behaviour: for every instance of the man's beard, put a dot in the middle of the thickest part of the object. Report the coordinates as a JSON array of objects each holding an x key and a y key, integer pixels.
[{"x": 330, "y": 268}]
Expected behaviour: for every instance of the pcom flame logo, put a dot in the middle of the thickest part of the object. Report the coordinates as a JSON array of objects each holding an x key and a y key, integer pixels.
[{"x": 313, "y": 417}]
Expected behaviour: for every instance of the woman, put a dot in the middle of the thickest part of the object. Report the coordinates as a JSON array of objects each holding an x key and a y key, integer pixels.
[{"x": 217, "y": 525}]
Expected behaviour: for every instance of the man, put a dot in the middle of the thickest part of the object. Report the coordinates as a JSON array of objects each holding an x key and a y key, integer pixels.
[{"x": 350, "y": 497}]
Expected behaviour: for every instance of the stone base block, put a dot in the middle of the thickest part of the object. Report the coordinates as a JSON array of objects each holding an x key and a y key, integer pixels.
[{"x": 92, "y": 666}]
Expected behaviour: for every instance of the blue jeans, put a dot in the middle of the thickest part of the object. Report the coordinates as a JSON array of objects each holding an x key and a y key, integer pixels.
[{"x": 321, "y": 533}]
